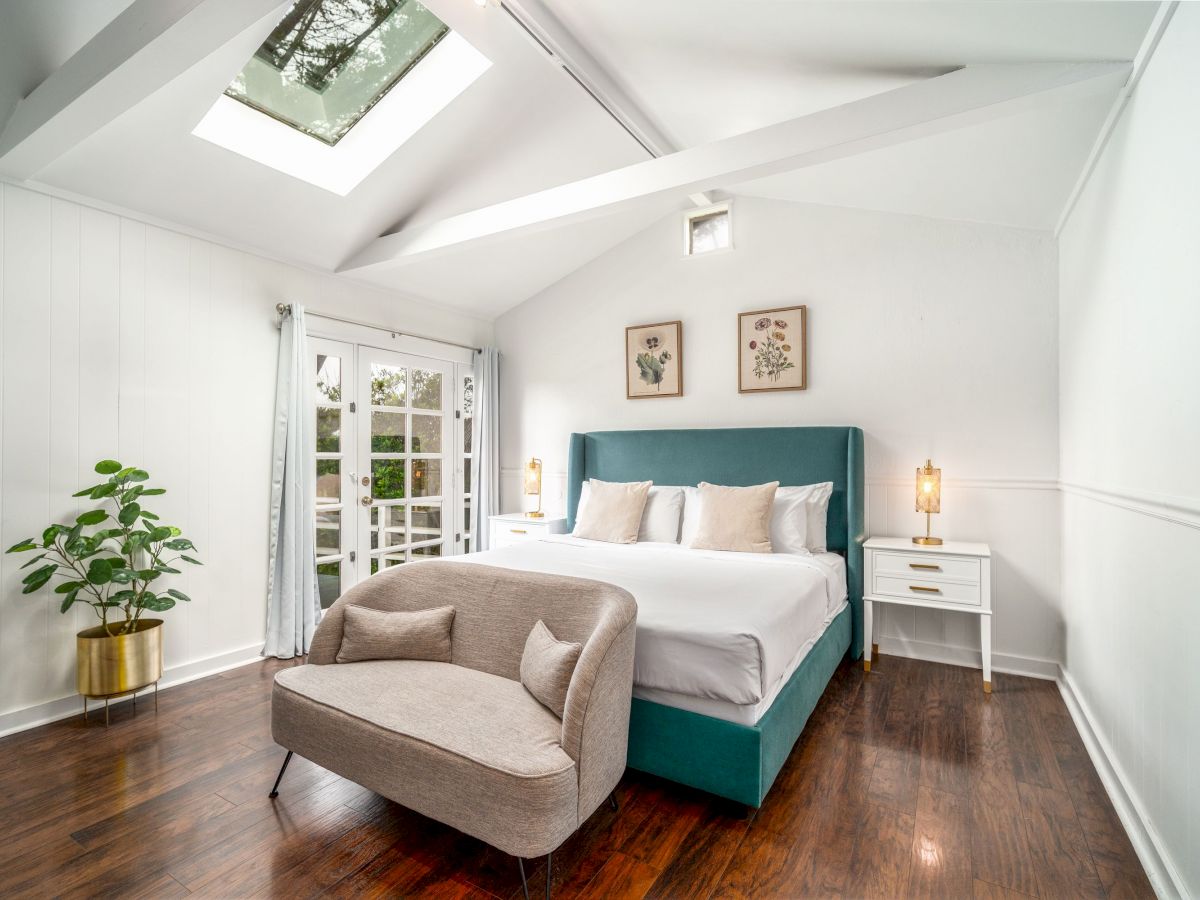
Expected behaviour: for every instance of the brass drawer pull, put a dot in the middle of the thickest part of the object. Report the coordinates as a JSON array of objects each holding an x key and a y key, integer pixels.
[
  {"x": 517, "y": 530},
  {"x": 930, "y": 567},
  {"x": 924, "y": 590}
]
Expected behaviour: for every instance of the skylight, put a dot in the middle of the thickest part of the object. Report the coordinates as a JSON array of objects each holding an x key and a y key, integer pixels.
[
  {"x": 338, "y": 86},
  {"x": 329, "y": 61}
]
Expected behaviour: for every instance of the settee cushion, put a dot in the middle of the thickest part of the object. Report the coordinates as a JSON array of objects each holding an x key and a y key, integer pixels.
[
  {"x": 468, "y": 748},
  {"x": 378, "y": 634},
  {"x": 547, "y": 665}
]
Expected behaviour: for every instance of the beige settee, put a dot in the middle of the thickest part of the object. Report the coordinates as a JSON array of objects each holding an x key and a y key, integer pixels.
[{"x": 464, "y": 742}]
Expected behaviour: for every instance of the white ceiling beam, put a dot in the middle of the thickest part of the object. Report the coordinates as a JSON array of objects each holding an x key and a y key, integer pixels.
[
  {"x": 955, "y": 100},
  {"x": 150, "y": 43}
]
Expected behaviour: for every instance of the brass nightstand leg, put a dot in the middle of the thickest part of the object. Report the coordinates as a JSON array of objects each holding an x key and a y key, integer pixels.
[
  {"x": 987, "y": 687},
  {"x": 866, "y": 665}
]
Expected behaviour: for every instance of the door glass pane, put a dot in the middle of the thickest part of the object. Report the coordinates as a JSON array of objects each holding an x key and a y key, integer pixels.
[
  {"x": 392, "y": 559},
  {"x": 466, "y": 476},
  {"x": 329, "y": 532},
  {"x": 329, "y": 481},
  {"x": 466, "y": 545},
  {"x": 329, "y": 583},
  {"x": 427, "y": 478},
  {"x": 387, "y": 479},
  {"x": 435, "y": 550},
  {"x": 426, "y": 522},
  {"x": 426, "y": 389},
  {"x": 387, "y": 432},
  {"x": 393, "y": 531},
  {"x": 467, "y": 434},
  {"x": 468, "y": 395},
  {"x": 387, "y": 385},
  {"x": 426, "y": 434},
  {"x": 329, "y": 378},
  {"x": 329, "y": 430}
]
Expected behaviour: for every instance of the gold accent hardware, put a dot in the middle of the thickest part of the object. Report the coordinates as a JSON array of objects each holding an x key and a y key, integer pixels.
[
  {"x": 924, "y": 590},
  {"x": 366, "y": 501},
  {"x": 987, "y": 687},
  {"x": 366, "y": 481},
  {"x": 109, "y": 664},
  {"x": 533, "y": 485},
  {"x": 866, "y": 665},
  {"x": 518, "y": 530},
  {"x": 929, "y": 499},
  {"x": 927, "y": 566},
  {"x": 536, "y": 514}
]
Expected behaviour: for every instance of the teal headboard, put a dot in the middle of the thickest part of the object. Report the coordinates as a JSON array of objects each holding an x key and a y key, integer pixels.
[{"x": 740, "y": 456}]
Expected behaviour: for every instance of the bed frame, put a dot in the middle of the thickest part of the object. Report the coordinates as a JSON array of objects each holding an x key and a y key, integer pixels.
[{"x": 738, "y": 761}]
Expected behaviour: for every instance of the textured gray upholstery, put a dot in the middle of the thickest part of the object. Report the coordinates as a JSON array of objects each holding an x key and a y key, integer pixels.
[{"x": 464, "y": 742}]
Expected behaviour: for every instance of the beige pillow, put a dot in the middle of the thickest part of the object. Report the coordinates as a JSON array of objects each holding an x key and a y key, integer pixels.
[
  {"x": 735, "y": 518},
  {"x": 546, "y": 667},
  {"x": 613, "y": 512},
  {"x": 375, "y": 634}
]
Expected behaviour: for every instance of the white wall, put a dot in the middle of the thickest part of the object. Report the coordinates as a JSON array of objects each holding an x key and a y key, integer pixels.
[
  {"x": 1130, "y": 429},
  {"x": 937, "y": 338},
  {"x": 120, "y": 339}
]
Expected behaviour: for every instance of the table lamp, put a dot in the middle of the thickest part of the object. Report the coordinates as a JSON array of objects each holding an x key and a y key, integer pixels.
[
  {"x": 533, "y": 485},
  {"x": 929, "y": 498}
]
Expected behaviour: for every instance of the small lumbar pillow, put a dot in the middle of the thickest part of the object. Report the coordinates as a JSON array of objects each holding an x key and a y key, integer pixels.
[
  {"x": 613, "y": 512},
  {"x": 375, "y": 634},
  {"x": 735, "y": 518},
  {"x": 546, "y": 667}
]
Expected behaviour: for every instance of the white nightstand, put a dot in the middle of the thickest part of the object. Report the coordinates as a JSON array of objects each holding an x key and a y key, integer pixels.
[
  {"x": 953, "y": 575},
  {"x": 517, "y": 527}
]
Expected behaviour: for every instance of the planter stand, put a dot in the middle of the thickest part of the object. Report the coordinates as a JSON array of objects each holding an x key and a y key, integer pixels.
[{"x": 107, "y": 697}]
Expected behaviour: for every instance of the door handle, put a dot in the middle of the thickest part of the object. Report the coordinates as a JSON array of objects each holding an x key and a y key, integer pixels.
[
  {"x": 366, "y": 481},
  {"x": 365, "y": 501}
]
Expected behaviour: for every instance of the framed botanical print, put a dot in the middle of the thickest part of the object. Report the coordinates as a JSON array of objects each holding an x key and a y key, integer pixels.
[
  {"x": 654, "y": 360},
  {"x": 772, "y": 350}
]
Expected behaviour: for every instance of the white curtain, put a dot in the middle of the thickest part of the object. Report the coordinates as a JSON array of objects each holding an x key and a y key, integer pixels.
[
  {"x": 486, "y": 445},
  {"x": 293, "y": 603}
]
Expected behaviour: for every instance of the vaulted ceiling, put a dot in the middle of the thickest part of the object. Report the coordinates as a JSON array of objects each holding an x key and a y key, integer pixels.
[{"x": 682, "y": 73}]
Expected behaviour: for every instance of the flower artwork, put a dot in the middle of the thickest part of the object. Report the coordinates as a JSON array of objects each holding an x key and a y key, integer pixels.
[
  {"x": 772, "y": 347},
  {"x": 654, "y": 360}
]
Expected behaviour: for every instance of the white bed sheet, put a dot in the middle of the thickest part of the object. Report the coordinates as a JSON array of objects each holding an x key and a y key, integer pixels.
[{"x": 715, "y": 626}]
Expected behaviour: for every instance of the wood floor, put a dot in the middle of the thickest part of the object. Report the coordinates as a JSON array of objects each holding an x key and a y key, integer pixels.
[{"x": 906, "y": 782}]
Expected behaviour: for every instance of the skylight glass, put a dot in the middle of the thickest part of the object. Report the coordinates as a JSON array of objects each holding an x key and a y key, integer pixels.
[{"x": 328, "y": 62}]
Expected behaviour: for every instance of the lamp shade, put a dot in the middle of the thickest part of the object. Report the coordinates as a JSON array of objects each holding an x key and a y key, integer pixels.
[
  {"x": 533, "y": 477},
  {"x": 929, "y": 489}
]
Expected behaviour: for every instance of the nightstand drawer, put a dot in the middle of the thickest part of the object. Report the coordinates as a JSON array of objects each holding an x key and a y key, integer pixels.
[
  {"x": 927, "y": 566},
  {"x": 506, "y": 533},
  {"x": 921, "y": 588}
]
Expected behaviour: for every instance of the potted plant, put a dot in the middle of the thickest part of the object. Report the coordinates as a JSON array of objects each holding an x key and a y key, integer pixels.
[{"x": 113, "y": 561}]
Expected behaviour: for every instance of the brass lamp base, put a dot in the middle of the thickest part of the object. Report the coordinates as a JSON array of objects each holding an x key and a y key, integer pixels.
[
  {"x": 536, "y": 514},
  {"x": 928, "y": 541}
]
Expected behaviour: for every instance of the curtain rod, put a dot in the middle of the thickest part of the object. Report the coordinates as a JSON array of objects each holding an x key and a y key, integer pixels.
[{"x": 285, "y": 309}]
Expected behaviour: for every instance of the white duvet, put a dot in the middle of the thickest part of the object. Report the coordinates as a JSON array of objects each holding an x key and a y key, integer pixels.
[{"x": 710, "y": 624}]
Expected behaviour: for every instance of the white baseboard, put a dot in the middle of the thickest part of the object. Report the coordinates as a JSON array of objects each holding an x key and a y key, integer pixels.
[
  {"x": 64, "y": 707},
  {"x": 1163, "y": 874},
  {"x": 966, "y": 656}
]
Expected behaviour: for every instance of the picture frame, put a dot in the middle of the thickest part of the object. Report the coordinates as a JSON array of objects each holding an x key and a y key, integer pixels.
[
  {"x": 773, "y": 350},
  {"x": 654, "y": 360}
]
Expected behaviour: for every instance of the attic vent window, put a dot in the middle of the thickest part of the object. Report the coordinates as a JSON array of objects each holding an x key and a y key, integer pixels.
[
  {"x": 708, "y": 229},
  {"x": 328, "y": 62}
]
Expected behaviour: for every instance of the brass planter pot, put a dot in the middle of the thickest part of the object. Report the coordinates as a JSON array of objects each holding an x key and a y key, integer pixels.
[{"x": 108, "y": 664}]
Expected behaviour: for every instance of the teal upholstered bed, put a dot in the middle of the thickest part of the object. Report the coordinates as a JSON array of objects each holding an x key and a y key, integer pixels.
[{"x": 738, "y": 761}]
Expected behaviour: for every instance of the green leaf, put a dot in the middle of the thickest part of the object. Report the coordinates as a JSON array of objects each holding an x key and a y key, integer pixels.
[
  {"x": 100, "y": 571},
  {"x": 103, "y": 490},
  {"x": 163, "y": 567},
  {"x": 50, "y": 534},
  {"x": 108, "y": 533},
  {"x": 22, "y": 546},
  {"x": 194, "y": 562},
  {"x": 108, "y": 466},
  {"x": 161, "y": 533},
  {"x": 139, "y": 475},
  {"x": 149, "y": 516},
  {"x": 92, "y": 517},
  {"x": 180, "y": 544},
  {"x": 175, "y": 532},
  {"x": 68, "y": 600},
  {"x": 129, "y": 514},
  {"x": 67, "y": 586},
  {"x": 122, "y": 575},
  {"x": 40, "y": 556},
  {"x": 156, "y": 604},
  {"x": 37, "y": 578},
  {"x": 179, "y": 595},
  {"x": 85, "y": 491},
  {"x": 147, "y": 492},
  {"x": 123, "y": 596},
  {"x": 147, "y": 574}
]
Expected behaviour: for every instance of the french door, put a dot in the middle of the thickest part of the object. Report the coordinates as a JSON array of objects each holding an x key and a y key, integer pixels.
[{"x": 392, "y": 473}]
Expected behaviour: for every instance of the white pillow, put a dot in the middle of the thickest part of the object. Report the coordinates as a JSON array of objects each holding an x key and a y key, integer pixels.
[
  {"x": 614, "y": 511},
  {"x": 798, "y": 517},
  {"x": 660, "y": 518}
]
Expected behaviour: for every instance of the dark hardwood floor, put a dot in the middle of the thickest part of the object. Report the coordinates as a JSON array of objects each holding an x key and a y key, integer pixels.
[{"x": 907, "y": 782}]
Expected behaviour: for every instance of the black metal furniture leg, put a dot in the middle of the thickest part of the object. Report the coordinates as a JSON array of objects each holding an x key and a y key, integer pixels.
[
  {"x": 275, "y": 790},
  {"x": 549, "y": 872},
  {"x": 612, "y": 801},
  {"x": 524, "y": 883}
]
